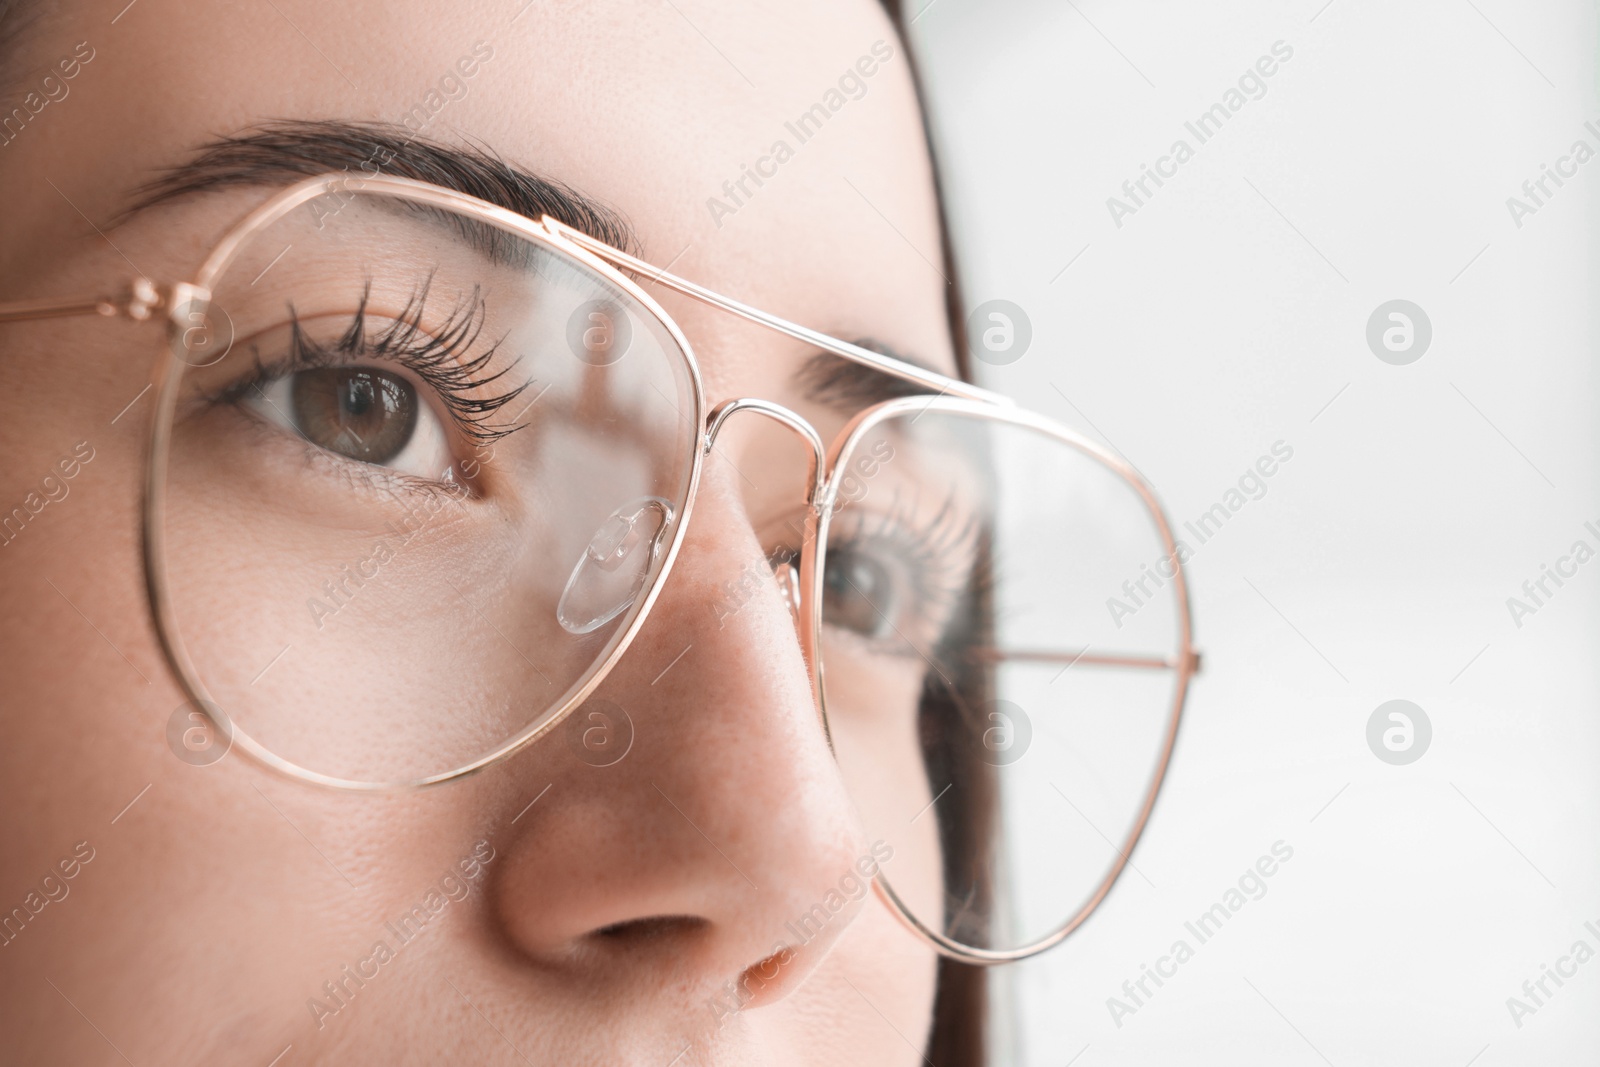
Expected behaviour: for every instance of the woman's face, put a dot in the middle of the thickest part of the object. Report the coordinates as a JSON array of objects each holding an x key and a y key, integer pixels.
[{"x": 630, "y": 915}]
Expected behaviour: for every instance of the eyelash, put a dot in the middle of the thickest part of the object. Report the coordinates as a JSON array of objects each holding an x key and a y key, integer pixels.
[
  {"x": 434, "y": 358},
  {"x": 928, "y": 547}
]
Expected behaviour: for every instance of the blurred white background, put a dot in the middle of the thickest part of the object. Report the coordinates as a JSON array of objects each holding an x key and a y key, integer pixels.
[{"x": 1229, "y": 312}]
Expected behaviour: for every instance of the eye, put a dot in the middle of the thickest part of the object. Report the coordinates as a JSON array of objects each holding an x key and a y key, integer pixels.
[
  {"x": 857, "y": 593},
  {"x": 362, "y": 413}
]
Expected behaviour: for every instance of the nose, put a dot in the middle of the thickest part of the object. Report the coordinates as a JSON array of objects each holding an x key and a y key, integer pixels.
[{"x": 719, "y": 857}]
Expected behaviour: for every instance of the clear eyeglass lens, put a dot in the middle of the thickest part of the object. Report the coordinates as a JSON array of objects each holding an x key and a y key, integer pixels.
[
  {"x": 998, "y": 699},
  {"x": 419, "y": 498}
]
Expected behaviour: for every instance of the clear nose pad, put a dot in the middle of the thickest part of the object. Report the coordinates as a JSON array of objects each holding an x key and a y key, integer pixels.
[{"x": 611, "y": 572}]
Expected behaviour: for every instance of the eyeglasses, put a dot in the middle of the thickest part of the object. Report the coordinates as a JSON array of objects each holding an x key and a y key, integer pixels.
[{"x": 419, "y": 467}]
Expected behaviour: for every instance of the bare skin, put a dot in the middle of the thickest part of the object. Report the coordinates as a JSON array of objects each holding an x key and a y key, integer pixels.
[{"x": 224, "y": 898}]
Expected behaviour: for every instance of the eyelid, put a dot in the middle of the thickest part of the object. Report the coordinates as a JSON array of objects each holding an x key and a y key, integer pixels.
[
  {"x": 437, "y": 358},
  {"x": 929, "y": 531}
]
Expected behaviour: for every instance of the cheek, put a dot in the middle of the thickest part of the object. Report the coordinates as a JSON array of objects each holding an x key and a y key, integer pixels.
[{"x": 873, "y": 718}]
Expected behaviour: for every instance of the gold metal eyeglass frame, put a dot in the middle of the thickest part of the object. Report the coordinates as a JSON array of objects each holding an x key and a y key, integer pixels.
[{"x": 184, "y": 304}]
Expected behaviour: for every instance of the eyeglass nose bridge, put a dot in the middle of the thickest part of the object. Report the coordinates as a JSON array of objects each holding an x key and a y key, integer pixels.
[{"x": 818, "y": 458}]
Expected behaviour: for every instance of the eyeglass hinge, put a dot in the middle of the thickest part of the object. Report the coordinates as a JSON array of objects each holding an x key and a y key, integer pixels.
[{"x": 181, "y": 298}]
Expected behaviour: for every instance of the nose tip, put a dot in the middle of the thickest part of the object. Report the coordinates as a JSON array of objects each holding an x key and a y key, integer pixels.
[{"x": 735, "y": 926}]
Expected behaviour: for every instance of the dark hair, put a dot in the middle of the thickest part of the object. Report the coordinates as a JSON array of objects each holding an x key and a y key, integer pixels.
[
  {"x": 954, "y": 307},
  {"x": 951, "y": 724},
  {"x": 946, "y": 715}
]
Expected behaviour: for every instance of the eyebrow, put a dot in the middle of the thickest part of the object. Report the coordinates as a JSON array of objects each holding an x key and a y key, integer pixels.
[
  {"x": 848, "y": 387},
  {"x": 17, "y": 29},
  {"x": 280, "y": 153}
]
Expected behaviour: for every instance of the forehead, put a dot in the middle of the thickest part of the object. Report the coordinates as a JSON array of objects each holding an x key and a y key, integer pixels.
[{"x": 773, "y": 153}]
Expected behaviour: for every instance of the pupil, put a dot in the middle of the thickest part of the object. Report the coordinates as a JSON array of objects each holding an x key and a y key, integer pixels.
[
  {"x": 856, "y": 593},
  {"x": 358, "y": 412},
  {"x": 359, "y": 396}
]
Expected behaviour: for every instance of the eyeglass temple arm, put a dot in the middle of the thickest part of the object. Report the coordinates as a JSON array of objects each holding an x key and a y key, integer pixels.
[
  {"x": 137, "y": 302},
  {"x": 1190, "y": 658},
  {"x": 907, "y": 372}
]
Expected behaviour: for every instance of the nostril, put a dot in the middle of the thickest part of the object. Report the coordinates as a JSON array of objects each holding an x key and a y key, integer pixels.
[
  {"x": 652, "y": 928},
  {"x": 681, "y": 938}
]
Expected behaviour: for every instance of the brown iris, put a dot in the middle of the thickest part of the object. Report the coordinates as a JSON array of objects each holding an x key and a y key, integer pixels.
[
  {"x": 855, "y": 591},
  {"x": 359, "y": 412}
]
